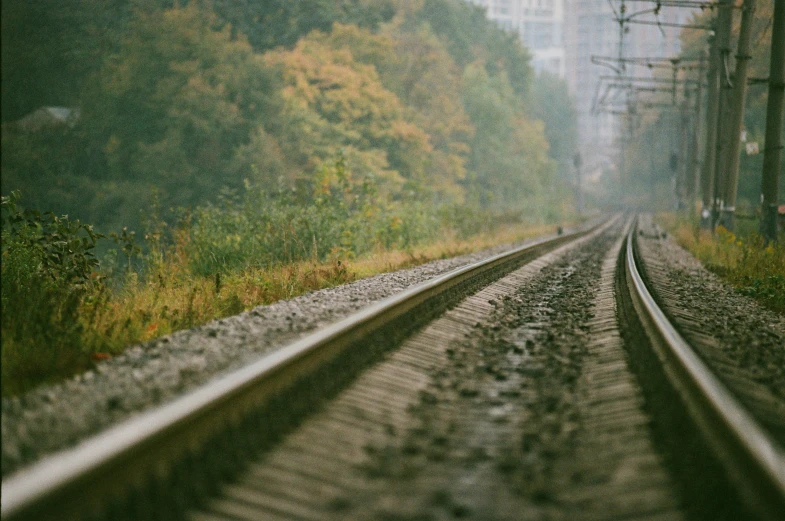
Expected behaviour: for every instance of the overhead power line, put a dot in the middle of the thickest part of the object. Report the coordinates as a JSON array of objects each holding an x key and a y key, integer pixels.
[
  {"x": 653, "y": 80},
  {"x": 687, "y": 4},
  {"x": 667, "y": 24},
  {"x": 630, "y": 59}
]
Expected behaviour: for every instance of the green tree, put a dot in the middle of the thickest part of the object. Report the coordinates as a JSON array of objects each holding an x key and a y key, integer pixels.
[
  {"x": 179, "y": 103},
  {"x": 551, "y": 103},
  {"x": 273, "y": 23},
  {"x": 470, "y": 36},
  {"x": 50, "y": 47},
  {"x": 509, "y": 159}
]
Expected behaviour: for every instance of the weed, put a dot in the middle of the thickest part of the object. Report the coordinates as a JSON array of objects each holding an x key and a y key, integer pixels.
[
  {"x": 746, "y": 262},
  {"x": 47, "y": 273},
  {"x": 62, "y": 311}
]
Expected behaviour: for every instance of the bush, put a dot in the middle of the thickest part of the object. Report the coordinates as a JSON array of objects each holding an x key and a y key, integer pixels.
[
  {"x": 752, "y": 267},
  {"x": 47, "y": 270},
  {"x": 343, "y": 217}
]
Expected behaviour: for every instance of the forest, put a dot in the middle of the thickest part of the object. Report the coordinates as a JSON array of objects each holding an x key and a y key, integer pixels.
[
  {"x": 425, "y": 100},
  {"x": 157, "y": 155}
]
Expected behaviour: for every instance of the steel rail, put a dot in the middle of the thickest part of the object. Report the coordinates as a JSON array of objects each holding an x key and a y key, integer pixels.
[
  {"x": 753, "y": 462},
  {"x": 84, "y": 481}
]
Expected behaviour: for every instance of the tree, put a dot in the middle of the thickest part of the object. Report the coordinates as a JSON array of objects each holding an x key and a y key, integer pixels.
[
  {"x": 272, "y": 23},
  {"x": 50, "y": 47},
  {"x": 177, "y": 103},
  {"x": 333, "y": 101},
  {"x": 469, "y": 36},
  {"x": 551, "y": 103},
  {"x": 419, "y": 70},
  {"x": 509, "y": 159}
]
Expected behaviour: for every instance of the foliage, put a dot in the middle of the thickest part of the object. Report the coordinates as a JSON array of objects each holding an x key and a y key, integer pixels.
[
  {"x": 47, "y": 270},
  {"x": 49, "y": 48},
  {"x": 178, "y": 98},
  {"x": 334, "y": 101},
  {"x": 288, "y": 137},
  {"x": 509, "y": 154},
  {"x": 551, "y": 103},
  {"x": 64, "y": 255},
  {"x": 55, "y": 324},
  {"x": 347, "y": 218},
  {"x": 272, "y": 23},
  {"x": 419, "y": 70},
  {"x": 753, "y": 268},
  {"x": 469, "y": 36},
  {"x": 175, "y": 102},
  {"x": 42, "y": 163}
]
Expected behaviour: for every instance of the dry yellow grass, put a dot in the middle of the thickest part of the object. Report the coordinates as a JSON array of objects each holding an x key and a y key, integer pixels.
[
  {"x": 171, "y": 298},
  {"x": 753, "y": 268}
]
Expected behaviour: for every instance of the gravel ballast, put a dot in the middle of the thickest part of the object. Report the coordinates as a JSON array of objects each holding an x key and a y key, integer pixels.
[
  {"x": 740, "y": 340},
  {"x": 55, "y": 417},
  {"x": 515, "y": 404}
]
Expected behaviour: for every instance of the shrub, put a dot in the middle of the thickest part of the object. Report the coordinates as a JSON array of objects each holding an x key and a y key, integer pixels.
[
  {"x": 47, "y": 270},
  {"x": 343, "y": 216},
  {"x": 752, "y": 267}
]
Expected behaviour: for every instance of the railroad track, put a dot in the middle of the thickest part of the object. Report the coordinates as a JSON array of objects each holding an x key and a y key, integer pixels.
[
  {"x": 752, "y": 461},
  {"x": 411, "y": 406}
]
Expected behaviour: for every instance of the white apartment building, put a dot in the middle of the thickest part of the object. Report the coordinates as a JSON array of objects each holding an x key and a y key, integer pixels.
[
  {"x": 564, "y": 35},
  {"x": 592, "y": 30},
  {"x": 539, "y": 24}
]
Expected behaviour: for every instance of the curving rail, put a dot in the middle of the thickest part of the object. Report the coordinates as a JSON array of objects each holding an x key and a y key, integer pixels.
[
  {"x": 130, "y": 470},
  {"x": 753, "y": 462}
]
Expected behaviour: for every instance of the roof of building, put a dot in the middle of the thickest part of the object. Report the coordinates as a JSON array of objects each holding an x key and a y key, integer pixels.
[{"x": 49, "y": 117}]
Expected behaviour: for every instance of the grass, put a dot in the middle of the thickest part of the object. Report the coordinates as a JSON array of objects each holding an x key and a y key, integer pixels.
[
  {"x": 753, "y": 268},
  {"x": 170, "y": 297}
]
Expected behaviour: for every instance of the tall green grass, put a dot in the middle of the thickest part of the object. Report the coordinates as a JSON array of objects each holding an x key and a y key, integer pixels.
[
  {"x": 62, "y": 310},
  {"x": 338, "y": 218},
  {"x": 47, "y": 273}
]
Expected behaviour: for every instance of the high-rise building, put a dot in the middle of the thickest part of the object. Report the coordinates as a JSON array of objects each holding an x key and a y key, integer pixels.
[
  {"x": 564, "y": 35},
  {"x": 539, "y": 24},
  {"x": 592, "y": 29}
]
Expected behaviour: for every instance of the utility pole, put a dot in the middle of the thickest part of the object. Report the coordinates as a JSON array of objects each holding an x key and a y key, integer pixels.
[
  {"x": 693, "y": 162},
  {"x": 622, "y": 72},
  {"x": 772, "y": 151},
  {"x": 724, "y": 22},
  {"x": 732, "y": 151},
  {"x": 682, "y": 185},
  {"x": 577, "y": 162},
  {"x": 675, "y": 147},
  {"x": 710, "y": 150}
]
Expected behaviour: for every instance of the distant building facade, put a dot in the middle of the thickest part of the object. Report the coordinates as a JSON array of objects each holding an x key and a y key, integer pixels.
[
  {"x": 538, "y": 23},
  {"x": 564, "y": 35},
  {"x": 591, "y": 29}
]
